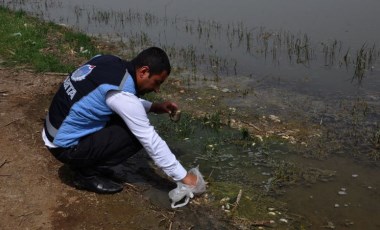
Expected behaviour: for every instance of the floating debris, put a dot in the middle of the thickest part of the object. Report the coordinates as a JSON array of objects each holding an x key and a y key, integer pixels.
[
  {"x": 342, "y": 191},
  {"x": 275, "y": 118},
  {"x": 330, "y": 225},
  {"x": 225, "y": 90},
  {"x": 214, "y": 87},
  {"x": 348, "y": 223},
  {"x": 260, "y": 138}
]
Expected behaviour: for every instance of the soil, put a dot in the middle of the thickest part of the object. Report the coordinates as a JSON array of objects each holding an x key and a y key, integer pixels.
[{"x": 36, "y": 190}]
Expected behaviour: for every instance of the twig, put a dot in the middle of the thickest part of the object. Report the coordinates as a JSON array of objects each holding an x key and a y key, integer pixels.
[
  {"x": 5, "y": 162},
  {"x": 237, "y": 200},
  {"x": 132, "y": 186},
  {"x": 209, "y": 176},
  {"x": 170, "y": 226},
  {"x": 13, "y": 121},
  {"x": 252, "y": 125},
  {"x": 2, "y": 164},
  {"x": 26, "y": 214},
  {"x": 5, "y": 175},
  {"x": 55, "y": 74},
  {"x": 262, "y": 223}
]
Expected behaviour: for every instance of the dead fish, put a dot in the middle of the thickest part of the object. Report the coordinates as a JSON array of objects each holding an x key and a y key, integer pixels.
[{"x": 175, "y": 115}]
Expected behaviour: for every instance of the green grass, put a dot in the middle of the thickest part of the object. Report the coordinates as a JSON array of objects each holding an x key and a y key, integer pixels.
[{"x": 42, "y": 46}]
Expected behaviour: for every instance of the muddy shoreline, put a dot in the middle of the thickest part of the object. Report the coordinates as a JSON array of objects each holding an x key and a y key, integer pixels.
[{"x": 36, "y": 192}]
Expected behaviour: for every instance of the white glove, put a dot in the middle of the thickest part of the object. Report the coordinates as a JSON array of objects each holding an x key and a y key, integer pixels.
[
  {"x": 183, "y": 190},
  {"x": 179, "y": 193}
]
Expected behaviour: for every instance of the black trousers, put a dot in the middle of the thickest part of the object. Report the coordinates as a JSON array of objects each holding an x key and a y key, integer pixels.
[{"x": 99, "y": 152}]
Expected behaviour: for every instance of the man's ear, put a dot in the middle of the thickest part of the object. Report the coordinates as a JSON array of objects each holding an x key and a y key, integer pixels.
[{"x": 143, "y": 71}]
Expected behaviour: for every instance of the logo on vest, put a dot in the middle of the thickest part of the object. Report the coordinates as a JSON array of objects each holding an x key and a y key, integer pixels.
[{"x": 81, "y": 73}]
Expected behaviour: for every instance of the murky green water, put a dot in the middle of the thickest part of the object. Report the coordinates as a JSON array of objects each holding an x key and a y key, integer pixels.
[{"x": 312, "y": 64}]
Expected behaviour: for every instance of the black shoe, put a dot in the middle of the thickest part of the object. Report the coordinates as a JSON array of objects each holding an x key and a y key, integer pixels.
[
  {"x": 117, "y": 173},
  {"x": 96, "y": 184}
]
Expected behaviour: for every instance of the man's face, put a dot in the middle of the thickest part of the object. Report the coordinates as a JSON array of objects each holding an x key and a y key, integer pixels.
[{"x": 147, "y": 83}]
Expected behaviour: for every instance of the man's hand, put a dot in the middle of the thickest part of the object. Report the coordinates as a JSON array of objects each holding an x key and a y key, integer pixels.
[
  {"x": 190, "y": 180},
  {"x": 164, "y": 107}
]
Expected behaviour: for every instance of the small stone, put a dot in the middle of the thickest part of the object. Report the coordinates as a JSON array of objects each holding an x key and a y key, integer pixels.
[
  {"x": 342, "y": 193},
  {"x": 336, "y": 206},
  {"x": 63, "y": 214},
  {"x": 271, "y": 209},
  {"x": 283, "y": 220},
  {"x": 272, "y": 213},
  {"x": 355, "y": 175}
]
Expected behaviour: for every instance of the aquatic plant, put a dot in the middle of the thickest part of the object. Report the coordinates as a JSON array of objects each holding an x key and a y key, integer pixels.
[{"x": 212, "y": 120}]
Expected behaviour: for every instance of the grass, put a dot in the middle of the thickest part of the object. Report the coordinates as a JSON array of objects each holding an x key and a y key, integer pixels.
[{"x": 42, "y": 46}]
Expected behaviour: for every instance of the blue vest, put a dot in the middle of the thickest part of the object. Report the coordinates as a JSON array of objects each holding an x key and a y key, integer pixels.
[{"x": 79, "y": 107}]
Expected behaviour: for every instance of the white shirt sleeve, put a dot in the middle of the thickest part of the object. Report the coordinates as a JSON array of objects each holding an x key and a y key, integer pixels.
[
  {"x": 134, "y": 113},
  {"x": 146, "y": 104}
]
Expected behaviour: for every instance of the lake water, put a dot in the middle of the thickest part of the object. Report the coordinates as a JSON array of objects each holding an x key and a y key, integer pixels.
[{"x": 311, "y": 61}]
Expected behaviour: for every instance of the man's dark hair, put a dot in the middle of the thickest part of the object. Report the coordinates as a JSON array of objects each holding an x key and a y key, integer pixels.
[{"x": 155, "y": 58}]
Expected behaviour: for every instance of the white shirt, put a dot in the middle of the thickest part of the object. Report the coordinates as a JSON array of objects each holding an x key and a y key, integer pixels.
[{"x": 134, "y": 113}]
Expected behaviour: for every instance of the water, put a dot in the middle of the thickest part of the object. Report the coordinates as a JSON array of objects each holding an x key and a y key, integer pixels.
[
  {"x": 246, "y": 40},
  {"x": 295, "y": 59}
]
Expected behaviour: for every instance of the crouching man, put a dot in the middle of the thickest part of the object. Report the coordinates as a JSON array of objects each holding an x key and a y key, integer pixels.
[{"x": 96, "y": 120}]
